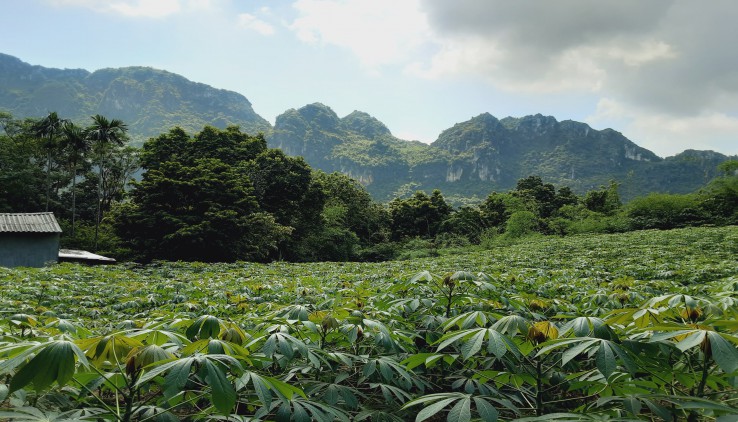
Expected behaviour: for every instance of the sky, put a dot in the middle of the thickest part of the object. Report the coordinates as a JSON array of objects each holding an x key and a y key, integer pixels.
[{"x": 662, "y": 72}]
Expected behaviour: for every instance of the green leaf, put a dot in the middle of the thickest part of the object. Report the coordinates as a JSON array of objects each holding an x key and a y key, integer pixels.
[
  {"x": 177, "y": 378},
  {"x": 473, "y": 345},
  {"x": 223, "y": 394},
  {"x": 299, "y": 414},
  {"x": 461, "y": 412},
  {"x": 632, "y": 405},
  {"x": 413, "y": 361},
  {"x": 605, "y": 359},
  {"x": 206, "y": 326},
  {"x": 486, "y": 411},
  {"x": 575, "y": 351},
  {"x": 511, "y": 325},
  {"x": 451, "y": 337},
  {"x": 56, "y": 362},
  {"x": 724, "y": 353},
  {"x": 422, "y": 276},
  {"x": 497, "y": 344},
  {"x": 286, "y": 390},
  {"x": 434, "y": 408},
  {"x": 691, "y": 340},
  {"x": 260, "y": 387}
]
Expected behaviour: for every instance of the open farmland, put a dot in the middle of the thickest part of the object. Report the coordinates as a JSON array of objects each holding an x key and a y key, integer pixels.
[{"x": 639, "y": 325}]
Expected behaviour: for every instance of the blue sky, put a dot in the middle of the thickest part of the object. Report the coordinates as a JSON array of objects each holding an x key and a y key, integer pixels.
[{"x": 662, "y": 72}]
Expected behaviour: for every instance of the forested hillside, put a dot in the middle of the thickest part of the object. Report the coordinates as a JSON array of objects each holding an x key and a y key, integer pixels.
[
  {"x": 485, "y": 154},
  {"x": 150, "y": 101},
  {"x": 466, "y": 162}
]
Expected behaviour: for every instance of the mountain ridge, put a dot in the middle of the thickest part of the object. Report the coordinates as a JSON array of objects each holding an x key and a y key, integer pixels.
[
  {"x": 469, "y": 159},
  {"x": 150, "y": 101}
]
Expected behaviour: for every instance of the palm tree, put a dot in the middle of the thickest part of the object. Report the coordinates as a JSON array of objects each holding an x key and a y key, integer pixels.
[
  {"x": 77, "y": 144},
  {"x": 46, "y": 129},
  {"x": 103, "y": 133}
]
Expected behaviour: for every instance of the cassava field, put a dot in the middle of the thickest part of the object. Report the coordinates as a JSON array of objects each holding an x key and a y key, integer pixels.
[{"x": 635, "y": 326}]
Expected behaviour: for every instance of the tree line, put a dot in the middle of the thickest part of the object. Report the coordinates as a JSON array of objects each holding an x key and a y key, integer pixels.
[{"x": 223, "y": 195}]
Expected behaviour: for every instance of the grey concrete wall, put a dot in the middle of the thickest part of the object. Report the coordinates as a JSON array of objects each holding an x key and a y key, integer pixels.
[{"x": 28, "y": 249}]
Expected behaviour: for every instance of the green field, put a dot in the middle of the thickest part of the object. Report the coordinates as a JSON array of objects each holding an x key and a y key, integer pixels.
[{"x": 640, "y": 325}]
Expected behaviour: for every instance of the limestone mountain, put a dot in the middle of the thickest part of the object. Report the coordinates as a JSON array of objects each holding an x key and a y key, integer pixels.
[
  {"x": 150, "y": 101},
  {"x": 358, "y": 145},
  {"x": 470, "y": 159},
  {"x": 485, "y": 154},
  {"x": 565, "y": 153}
]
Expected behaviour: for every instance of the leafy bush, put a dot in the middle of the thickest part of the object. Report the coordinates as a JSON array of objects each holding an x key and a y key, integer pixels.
[
  {"x": 665, "y": 211},
  {"x": 521, "y": 223}
]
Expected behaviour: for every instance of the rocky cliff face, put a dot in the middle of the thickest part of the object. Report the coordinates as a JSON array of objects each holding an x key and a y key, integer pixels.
[{"x": 570, "y": 153}]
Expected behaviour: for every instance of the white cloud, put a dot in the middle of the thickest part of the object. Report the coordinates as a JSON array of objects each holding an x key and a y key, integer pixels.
[
  {"x": 378, "y": 32},
  {"x": 253, "y": 23},
  {"x": 573, "y": 70},
  {"x": 138, "y": 8},
  {"x": 666, "y": 134},
  {"x": 643, "y": 53},
  {"x": 146, "y": 8},
  {"x": 543, "y": 47}
]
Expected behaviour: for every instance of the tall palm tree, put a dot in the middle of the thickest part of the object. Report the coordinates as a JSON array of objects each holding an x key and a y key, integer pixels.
[
  {"x": 103, "y": 133},
  {"x": 77, "y": 144},
  {"x": 46, "y": 129}
]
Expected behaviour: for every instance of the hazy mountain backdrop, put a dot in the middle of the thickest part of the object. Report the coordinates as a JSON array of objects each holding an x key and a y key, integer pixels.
[{"x": 472, "y": 158}]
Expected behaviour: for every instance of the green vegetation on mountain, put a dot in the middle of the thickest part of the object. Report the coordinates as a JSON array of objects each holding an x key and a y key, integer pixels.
[
  {"x": 151, "y": 101},
  {"x": 485, "y": 154},
  {"x": 466, "y": 162}
]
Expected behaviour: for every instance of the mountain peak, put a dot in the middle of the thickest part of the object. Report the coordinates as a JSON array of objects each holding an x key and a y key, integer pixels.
[{"x": 364, "y": 124}]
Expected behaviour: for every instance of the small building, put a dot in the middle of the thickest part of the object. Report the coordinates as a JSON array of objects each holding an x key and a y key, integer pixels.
[{"x": 28, "y": 239}]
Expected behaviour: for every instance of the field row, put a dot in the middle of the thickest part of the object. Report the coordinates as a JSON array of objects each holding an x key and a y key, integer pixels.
[{"x": 641, "y": 325}]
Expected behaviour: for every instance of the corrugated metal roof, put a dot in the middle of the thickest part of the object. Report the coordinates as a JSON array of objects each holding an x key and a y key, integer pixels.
[
  {"x": 78, "y": 255},
  {"x": 36, "y": 222}
]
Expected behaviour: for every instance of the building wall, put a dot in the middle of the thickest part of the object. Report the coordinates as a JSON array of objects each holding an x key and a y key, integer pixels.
[{"x": 28, "y": 249}]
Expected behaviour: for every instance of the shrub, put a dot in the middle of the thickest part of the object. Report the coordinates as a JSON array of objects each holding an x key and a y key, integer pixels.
[
  {"x": 665, "y": 211},
  {"x": 521, "y": 223}
]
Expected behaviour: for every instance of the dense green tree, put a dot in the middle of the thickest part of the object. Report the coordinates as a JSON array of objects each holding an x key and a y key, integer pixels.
[
  {"x": 104, "y": 134},
  {"x": 364, "y": 217},
  {"x": 521, "y": 223},
  {"x": 48, "y": 130},
  {"x": 494, "y": 210},
  {"x": 606, "y": 200},
  {"x": 284, "y": 187},
  {"x": 75, "y": 144},
  {"x": 222, "y": 195},
  {"x": 719, "y": 198},
  {"x": 541, "y": 195},
  {"x": 665, "y": 211},
  {"x": 334, "y": 241},
  {"x": 467, "y": 222},
  {"x": 22, "y": 180},
  {"x": 229, "y": 145},
  {"x": 420, "y": 215},
  {"x": 565, "y": 196},
  {"x": 203, "y": 212},
  {"x": 171, "y": 146}
]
